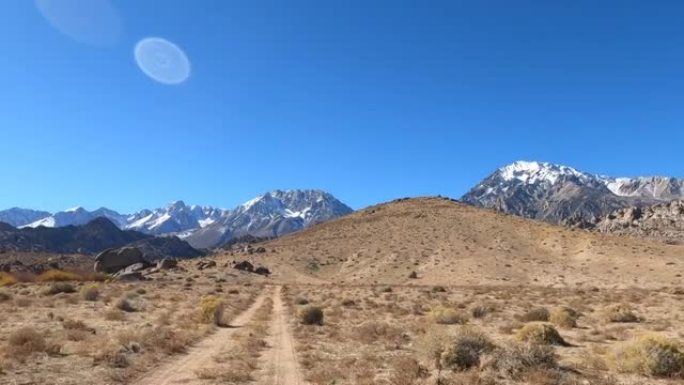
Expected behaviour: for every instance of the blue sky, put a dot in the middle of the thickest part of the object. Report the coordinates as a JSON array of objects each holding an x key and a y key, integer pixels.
[{"x": 368, "y": 100}]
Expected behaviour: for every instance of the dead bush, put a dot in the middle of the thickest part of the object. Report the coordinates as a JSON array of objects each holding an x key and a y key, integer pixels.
[
  {"x": 25, "y": 341},
  {"x": 465, "y": 350},
  {"x": 124, "y": 305},
  {"x": 517, "y": 358}
]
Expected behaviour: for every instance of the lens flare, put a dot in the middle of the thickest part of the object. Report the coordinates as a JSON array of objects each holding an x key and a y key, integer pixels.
[
  {"x": 162, "y": 60},
  {"x": 93, "y": 22}
]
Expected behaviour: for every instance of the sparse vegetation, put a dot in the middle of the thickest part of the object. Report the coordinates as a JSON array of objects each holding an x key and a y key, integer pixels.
[
  {"x": 650, "y": 355},
  {"x": 26, "y": 341},
  {"x": 58, "y": 276},
  {"x": 517, "y": 358}
]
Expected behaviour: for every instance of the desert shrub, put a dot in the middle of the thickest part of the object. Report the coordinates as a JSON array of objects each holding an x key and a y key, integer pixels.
[
  {"x": 348, "y": 302},
  {"x": 517, "y": 358},
  {"x": 564, "y": 317},
  {"x": 465, "y": 350},
  {"x": 90, "y": 292},
  {"x": 5, "y": 296},
  {"x": 27, "y": 340},
  {"x": 58, "y": 276},
  {"x": 311, "y": 315},
  {"x": 164, "y": 339},
  {"x": 7, "y": 279},
  {"x": 480, "y": 311},
  {"x": 124, "y": 305},
  {"x": 211, "y": 310},
  {"x": 540, "y": 314},
  {"x": 60, "y": 287},
  {"x": 447, "y": 316},
  {"x": 540, "y": 333},
  {"x": 374, "y": 331},
  {"x": 619, "y": 313},
  {"x": 114, "y": 315},
  {"x": 651, "y": 355}
]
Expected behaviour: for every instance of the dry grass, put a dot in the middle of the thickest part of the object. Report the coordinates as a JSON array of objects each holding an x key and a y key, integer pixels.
[
  {"x": 650, "y": 355},
  {"x": 448, "y": 316},
  {"x": 619, "y": 313},
  {"x": 90, "y": 293}
]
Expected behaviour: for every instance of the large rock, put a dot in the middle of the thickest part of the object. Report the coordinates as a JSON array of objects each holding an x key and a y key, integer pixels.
[
  {"x": 114, "y": 260},
  {"x": 244, "y": 266}
]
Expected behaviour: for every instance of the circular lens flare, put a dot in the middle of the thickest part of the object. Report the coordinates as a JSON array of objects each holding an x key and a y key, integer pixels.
[{"x": 162, "y": 60}]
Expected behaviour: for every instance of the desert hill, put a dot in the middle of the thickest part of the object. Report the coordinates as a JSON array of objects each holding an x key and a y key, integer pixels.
[{"x": 450, "y": 243}]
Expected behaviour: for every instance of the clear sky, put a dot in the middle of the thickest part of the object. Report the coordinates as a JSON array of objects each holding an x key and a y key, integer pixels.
[{"x": 369, "y": 100}]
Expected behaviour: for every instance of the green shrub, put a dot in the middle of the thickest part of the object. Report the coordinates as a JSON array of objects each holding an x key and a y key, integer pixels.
[
  {"x": 311, "y": 315},
  {"x": 650, "y": 355},
  {"x": 540, "y": 333},
  {"x": 465, "y": 350}
]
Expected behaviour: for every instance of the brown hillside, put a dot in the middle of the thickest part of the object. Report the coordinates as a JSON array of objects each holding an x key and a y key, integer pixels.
[{"x": 449, "y": 243}]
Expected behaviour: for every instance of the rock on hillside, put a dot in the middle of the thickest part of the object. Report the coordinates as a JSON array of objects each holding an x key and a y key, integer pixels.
[{"x": 664, "y": 221}]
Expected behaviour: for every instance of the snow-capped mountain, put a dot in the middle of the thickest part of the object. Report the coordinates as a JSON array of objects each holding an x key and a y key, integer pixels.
[
  {"x": 272, "y": 214},
  {"x": 175, "y": 218},
  {"x": 561, "y": 194},
  {"x": 20, "y": 217}
]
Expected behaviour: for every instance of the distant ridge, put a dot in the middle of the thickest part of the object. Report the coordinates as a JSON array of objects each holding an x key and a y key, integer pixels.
[
  {"x": 564, "y": 195},
  {"x": 91, "y": 238},
  {"x": 271, "y": 214}
]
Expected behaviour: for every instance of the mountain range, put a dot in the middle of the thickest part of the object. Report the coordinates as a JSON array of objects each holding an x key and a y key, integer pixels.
[
  {"x": 269, "y": 215},
  {"x": 564, "y": 195}
]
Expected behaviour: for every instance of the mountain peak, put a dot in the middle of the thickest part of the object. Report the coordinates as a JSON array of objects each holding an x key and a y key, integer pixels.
[{"x": 532, "y": 172}]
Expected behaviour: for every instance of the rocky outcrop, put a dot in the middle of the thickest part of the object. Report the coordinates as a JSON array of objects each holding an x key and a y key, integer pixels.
[
  {"x": 114, "y": 260},
  {"x": 663, "y": 221}
]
